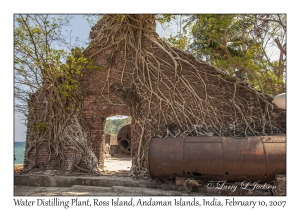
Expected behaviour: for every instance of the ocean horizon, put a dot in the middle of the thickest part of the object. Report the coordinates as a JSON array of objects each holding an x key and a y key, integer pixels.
[{"x": 19, "y": 152}]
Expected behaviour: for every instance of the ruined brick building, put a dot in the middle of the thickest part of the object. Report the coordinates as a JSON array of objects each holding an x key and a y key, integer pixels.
[
  {"x": 136, "y": 69},
  {"x": 167, "y": 92}
]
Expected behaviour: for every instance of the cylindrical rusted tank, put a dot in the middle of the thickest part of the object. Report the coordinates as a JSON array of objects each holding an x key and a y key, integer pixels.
[
  {"x": 124, "y": 137},
  {"x": 218, "y": 158}
]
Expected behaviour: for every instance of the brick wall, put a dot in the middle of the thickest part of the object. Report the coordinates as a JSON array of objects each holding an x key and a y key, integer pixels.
[
  {"x": 99, "y": 103},
  {"x": 43, "y": 160},
  {"x": 111, "y": 139}
]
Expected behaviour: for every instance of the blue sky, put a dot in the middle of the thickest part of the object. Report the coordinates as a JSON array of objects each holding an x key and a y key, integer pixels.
[
  {"x": 80, "y": 28},
  {"x": 155, "y": 6}
]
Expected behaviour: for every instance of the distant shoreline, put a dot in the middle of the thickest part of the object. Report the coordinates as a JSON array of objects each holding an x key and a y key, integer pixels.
[
  {"x": 18, "y": 167},
  {"x": 19, "y": 152}
]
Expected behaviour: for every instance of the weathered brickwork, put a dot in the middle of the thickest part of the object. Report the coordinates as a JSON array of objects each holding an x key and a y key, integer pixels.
[
  {"x": 111, "y": 139},
  {"x": 98, "y": 85},
  {"x": 96, "y": 114},
  {"x": 103, "y": 95},
  {"x": 43, "y": 162}
]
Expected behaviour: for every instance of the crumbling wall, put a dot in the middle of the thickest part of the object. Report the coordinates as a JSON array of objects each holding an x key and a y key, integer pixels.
[
  {"x": 96, "y": 110},
  {"x": 166, "y": 92},
  {"x": 40, "y": 155},
  {"x": 111, "y": 139}
]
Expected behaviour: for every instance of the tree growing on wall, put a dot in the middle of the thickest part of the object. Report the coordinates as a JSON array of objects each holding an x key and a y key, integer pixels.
[
  {"x": 168, "y": 93},
  {"x": 47, "y": 69},
  {"x": 251, "y": 47}
]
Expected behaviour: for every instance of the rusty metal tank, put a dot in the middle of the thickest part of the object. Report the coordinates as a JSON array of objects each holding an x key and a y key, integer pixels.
[
  {"x": 124, "y": 137},
  {"x": 218, "y": 158}
]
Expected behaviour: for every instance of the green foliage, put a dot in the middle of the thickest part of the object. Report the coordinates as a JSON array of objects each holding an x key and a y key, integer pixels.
[
  {"x": 36, "y": 52},
  {"x": 72, "y": 70},
  {"x": 239, "y": 44},
  {"x": 42, "y": 126},
  {"x": 121, "y": 17},
  {"x": 93, "y": 19},
  {"x": 113, "y": 126},
  {"x": 164, "y": 18},
  {"x": 47, "y": 69},
  {"x": 42, "y": 56},
  {"x": 179, "y": 41}
]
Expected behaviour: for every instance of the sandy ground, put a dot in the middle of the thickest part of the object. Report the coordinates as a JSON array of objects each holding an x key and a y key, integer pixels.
[
  {"x": 18, "y": 167},
  {"x": 117, "y": 164},
  {"x": 120, "y": 167}
]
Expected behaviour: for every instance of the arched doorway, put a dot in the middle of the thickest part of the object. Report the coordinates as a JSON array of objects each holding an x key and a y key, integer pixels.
[{"x": 117, "y": 147}]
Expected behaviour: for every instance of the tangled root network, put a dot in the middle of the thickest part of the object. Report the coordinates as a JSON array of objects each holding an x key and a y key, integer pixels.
[{"x": 169, "y": 92}]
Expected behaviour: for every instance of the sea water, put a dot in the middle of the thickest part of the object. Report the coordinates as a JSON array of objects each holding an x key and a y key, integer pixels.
[{"x": 19, "y": 152}]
